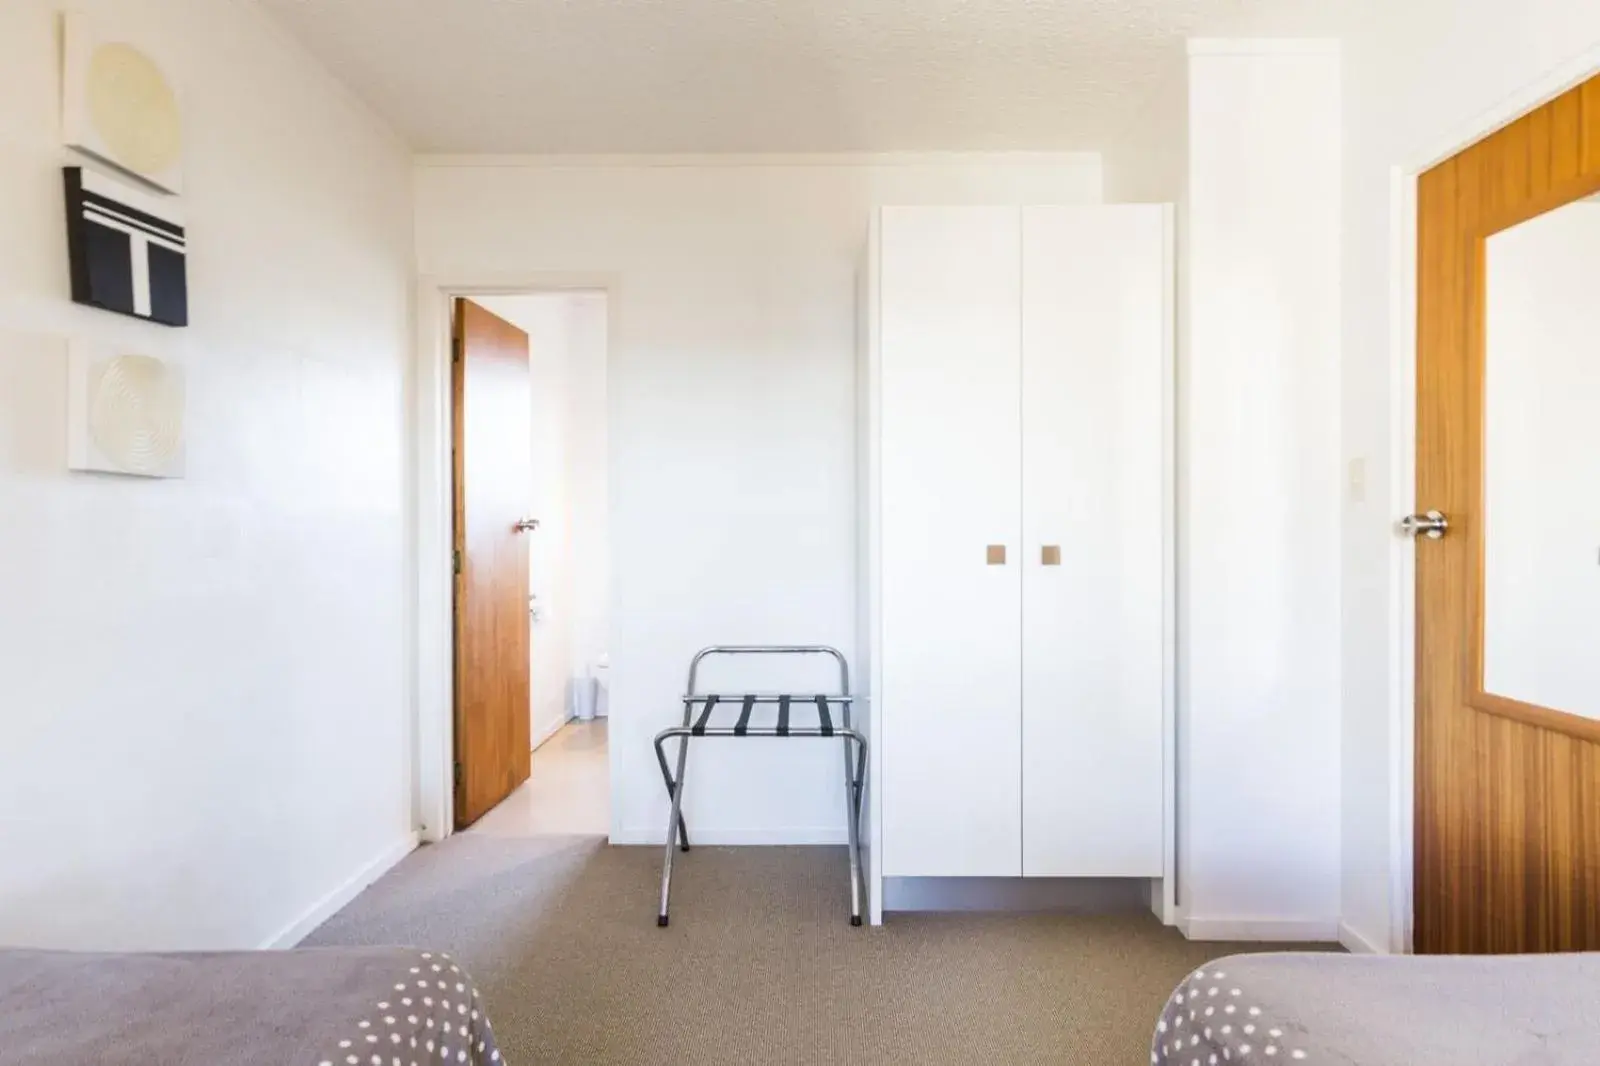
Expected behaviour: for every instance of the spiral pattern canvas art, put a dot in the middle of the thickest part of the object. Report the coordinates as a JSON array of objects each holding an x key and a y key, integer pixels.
[{"x": 125, "y": 414}]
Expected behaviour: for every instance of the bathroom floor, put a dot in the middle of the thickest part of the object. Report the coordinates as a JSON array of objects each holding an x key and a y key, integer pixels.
[{"x": 568, "y": 790}]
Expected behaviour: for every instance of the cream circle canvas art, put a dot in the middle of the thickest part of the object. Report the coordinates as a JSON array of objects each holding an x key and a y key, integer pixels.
[{"x": 134, "y": 109}]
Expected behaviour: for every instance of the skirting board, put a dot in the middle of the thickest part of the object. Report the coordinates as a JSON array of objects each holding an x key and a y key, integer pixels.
[
  {"x": 1263, "y": 930},
  {"x": 1021, "y": 895},
  {"x": 1356, "y": 944},
  {"x": 539, "y": 741},
  {"x": 334, "y": 901},
  {"x": 801, "y": 836}
]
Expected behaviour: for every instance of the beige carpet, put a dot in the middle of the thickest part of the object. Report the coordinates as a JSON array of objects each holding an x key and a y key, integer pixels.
[{"x": 760, "y": 964}]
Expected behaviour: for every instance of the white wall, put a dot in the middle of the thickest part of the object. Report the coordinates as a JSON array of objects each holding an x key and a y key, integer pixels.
[
  {"x": 568, "y": 554},
  {"x": 1541, "y": 520},
  {"x": 731, "y": 406},
  {"x": 1258, "y": 526},
  {"x": 1418, "y": 76},
  {"x": 202, "y": 688}
]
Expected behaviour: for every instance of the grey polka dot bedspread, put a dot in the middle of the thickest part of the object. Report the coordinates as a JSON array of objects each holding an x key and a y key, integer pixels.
[
  {"x": 320, "y": 1007},
  {"x": 1344, "y": 1010}
]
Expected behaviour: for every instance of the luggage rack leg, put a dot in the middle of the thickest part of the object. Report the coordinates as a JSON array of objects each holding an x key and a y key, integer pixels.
[
  {"x": 855, "y": 776},
  {"x": 675, "y": 819},
  {"x": 666, "y": 778},
  {"x": 852, "y": 816}
]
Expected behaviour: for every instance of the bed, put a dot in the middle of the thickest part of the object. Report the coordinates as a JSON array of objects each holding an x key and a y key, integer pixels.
[
  {"x": 1375, "y": 1011},
  {"x": 322, "y": 1007}
]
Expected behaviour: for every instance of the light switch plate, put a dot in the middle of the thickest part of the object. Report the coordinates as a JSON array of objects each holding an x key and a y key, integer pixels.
[{"x": 1358, "y": 480}]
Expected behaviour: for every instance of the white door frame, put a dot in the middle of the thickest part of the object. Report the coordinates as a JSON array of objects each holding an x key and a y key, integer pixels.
[
  {"x": 1402, "y": 460},
  {"x": 432, "y": 630}
]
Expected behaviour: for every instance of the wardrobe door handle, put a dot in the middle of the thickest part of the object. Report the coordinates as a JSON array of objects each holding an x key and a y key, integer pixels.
[
  {"x": 996, "y": 555},
  {"x": 1050, "y": 555}
]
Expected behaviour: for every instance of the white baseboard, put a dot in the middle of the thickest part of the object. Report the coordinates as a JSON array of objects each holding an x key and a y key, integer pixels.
[
  {"x": 798, "y": 836},
  {"x": 1017, "y": 895},
  {"x": 1357, "y": 944},
  {"x": 334, "y": 901},
  {"x": 1262, "y": 930},
  {"x": 538, "y": 741}
]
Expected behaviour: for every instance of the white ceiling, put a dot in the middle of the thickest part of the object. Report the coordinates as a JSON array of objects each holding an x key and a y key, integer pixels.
[{"x": 593, "y": 76}]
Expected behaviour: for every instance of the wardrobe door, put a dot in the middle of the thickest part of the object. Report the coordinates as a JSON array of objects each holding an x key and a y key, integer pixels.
[
  {"x": 950, "y": 365},
  {"x": 1094, "y": 388}
]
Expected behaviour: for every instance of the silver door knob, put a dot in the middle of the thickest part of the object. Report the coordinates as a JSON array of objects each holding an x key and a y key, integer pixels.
[
  {"x": 527, "y": 525},
  {"x": 1432, "y": 525}
]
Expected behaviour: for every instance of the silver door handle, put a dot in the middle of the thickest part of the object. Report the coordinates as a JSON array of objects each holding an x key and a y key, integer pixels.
[
  {"x": 1431, "y": 524},
  {"x": 527, "y": 525}
]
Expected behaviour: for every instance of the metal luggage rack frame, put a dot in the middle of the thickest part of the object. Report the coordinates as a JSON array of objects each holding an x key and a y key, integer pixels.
[{"x": 855, "y": 771}]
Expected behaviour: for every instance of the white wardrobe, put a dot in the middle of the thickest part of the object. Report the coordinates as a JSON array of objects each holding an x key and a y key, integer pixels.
[{"x": 1018, "y": 558}]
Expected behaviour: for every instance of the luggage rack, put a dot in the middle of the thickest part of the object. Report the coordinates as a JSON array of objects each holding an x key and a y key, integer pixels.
[{"x": 855, "y": 770}]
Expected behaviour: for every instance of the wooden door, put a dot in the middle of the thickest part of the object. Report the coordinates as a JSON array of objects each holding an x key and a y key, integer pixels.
[
  {"x": 1093, "y": 558},
  {"x": 1507, "y": 810},
  {"x": 493, "y": 481},
  {"x": 949, "y": 322}
]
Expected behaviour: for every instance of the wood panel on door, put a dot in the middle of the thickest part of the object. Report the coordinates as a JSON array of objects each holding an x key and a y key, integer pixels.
[
  {"x": 493, "y": 480},
  {"x": 950, "y": 350},
  {"x": 1507, "y": 793}
]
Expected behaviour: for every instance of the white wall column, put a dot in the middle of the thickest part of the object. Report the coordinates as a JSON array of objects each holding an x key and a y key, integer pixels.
[{"x": 1260, "y": 484}]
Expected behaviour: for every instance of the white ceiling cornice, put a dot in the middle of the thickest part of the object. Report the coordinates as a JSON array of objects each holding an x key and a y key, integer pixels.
[{"x": 771, "y": 77}]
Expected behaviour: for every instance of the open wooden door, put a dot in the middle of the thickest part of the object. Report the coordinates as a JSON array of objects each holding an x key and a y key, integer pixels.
[
  {"x": 1508, "y": 589},
  {"x": 492, "y": 453}
]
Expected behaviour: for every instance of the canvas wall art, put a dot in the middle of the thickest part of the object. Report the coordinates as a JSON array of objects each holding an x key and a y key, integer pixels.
[
  {"x": 119, "y": 106},
  {"x": 127, "y": 249},
  {"x": 125, "y": 413}
]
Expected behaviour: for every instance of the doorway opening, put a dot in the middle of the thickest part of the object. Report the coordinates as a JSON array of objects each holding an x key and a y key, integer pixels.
[{"x": 530, "y": 562}]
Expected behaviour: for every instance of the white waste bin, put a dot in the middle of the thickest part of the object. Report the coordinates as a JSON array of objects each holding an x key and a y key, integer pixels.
[
  {"x": 601, "y": 672},
  {"x": 585, "y": 697}
]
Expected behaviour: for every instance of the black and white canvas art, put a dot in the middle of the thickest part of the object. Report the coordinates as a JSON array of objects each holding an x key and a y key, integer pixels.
[{"x": 127, "y": 249}]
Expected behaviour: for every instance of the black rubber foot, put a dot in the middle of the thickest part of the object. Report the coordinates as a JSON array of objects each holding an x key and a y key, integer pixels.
[
  {"x": 683, "y": 847},
  {"x": 855, "y": 919},
  {"x": 661, "y": 920}
]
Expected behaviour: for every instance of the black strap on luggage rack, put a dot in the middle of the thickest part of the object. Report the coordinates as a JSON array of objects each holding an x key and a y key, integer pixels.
[{"x": 855, "y": 749}]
